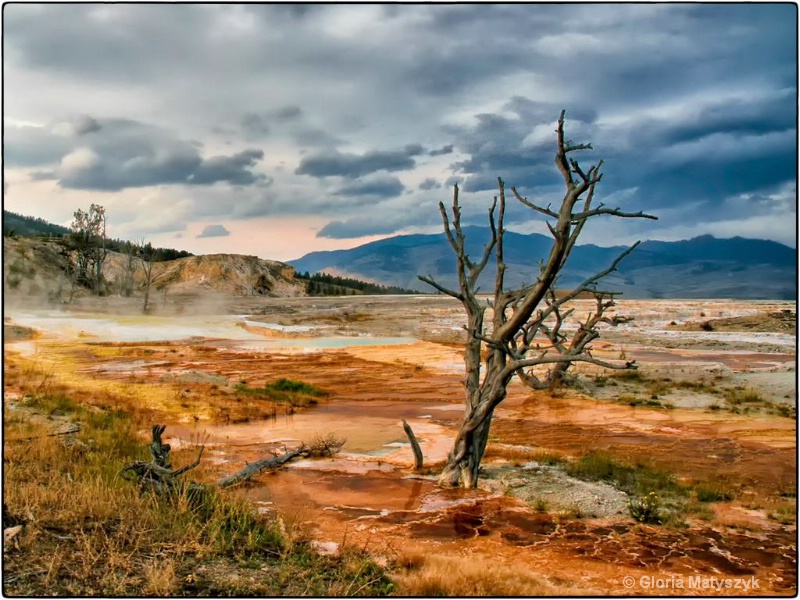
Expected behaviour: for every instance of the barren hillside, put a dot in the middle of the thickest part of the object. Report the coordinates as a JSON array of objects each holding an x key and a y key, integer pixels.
[
  {"x": 40, "y": 268},
  {"x": 230, "y": 273}
]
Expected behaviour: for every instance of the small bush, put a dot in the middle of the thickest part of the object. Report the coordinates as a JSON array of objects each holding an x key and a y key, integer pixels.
[
  {"x": 629, "y": 375},
  {"x": 646, "y": 509},
  {"x": 297, "y": 387},
  {"x": 325, "y": 445},
  {"x": 295, "y": 393}
]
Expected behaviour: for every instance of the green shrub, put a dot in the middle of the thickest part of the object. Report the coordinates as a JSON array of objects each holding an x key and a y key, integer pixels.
[
  {"x": 294, "y": 386},
  {"x": 295, "y": 393},
  {"x": 646, "y": 509}
]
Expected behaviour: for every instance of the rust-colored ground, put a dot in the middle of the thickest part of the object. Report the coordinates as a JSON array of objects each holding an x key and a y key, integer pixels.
[{"x": 368, "y": 495}]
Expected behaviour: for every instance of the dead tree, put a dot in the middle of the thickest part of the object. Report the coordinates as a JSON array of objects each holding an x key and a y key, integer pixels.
[
  {"x": 513, "y": 339},
  {"x": 578, "y": 343},
  {"x": 147, "y": 255}
]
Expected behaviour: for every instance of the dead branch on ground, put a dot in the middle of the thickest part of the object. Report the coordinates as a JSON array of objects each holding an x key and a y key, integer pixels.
[{"x": 158, "y": 475}]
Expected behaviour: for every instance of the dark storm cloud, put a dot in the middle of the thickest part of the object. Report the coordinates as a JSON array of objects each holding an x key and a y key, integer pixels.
[
  {"x": 496, "y": 147},
  {"x": 77, "y": 125},
  {"x": 380, "y": 187},
  {"x": 214, "y": 231},
  {"x": 359, "y": 227},
  {"x": 429, "y": 184},
  {"x": 397, "y": 214},
  {"x": 233, "y": 169},
  {"x": 353, "y": 165},
  {"x": 726, "y": 147},
  {"x": 341, "y": 230},
  {"x": 124, "y": 153},
  {"x": 448, "y": 149}
]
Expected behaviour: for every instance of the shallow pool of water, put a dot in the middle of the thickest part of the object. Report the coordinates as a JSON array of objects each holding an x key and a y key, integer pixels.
[{"x": 140, "y": 328}]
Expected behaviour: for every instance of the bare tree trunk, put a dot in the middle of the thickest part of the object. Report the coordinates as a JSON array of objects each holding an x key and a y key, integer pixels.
[
  {"x": 412, "y": 439},
  {"x": 100, "y": 254},
  {"x": 464, "y": 461},
  {"x": 147, "y": 288}
]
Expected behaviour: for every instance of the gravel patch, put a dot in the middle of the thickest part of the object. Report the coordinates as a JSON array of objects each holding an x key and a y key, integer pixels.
[{"x": 550, "y": 488}]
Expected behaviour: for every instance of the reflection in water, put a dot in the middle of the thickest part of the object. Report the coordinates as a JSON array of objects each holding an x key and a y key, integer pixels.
[{"x": 414, "y": 494}]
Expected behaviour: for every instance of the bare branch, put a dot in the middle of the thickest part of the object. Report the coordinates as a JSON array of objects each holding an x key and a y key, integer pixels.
[
  {"x": 531, "y": 205},
  {"x": 612, "y": 211},
  {"x": 476, "y": 270},
  {"x": 531, "y": 380},
  {"x": 430, "y": 281},
  {"x": 561, "y": 156},
  {"x": 542, "y": 360},
  {"x": 446, "y": 222},
  {"x": 499, "y": 280},
  {"x": 183, "y": 470}
]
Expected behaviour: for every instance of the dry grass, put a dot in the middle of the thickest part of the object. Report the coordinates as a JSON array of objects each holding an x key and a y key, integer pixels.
[
  {"x": 438, "y": 576},
  {"x": 87, "y": 531},
  {"x": 160, "y": 577},
  {"x": 519, "y": 455}
]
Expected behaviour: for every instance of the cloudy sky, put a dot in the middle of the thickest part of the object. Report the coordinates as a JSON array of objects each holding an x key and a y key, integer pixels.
[{"x": 276, "y": 130}]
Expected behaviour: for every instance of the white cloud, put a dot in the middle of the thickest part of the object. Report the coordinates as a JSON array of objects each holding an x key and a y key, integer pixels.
[{"x": 78, "y": 161}]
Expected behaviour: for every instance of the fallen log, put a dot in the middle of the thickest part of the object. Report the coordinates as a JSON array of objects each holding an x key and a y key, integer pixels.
[
  {"x": 414, "y": 445},
  {"x": 159, "y": 476},
  {"x": 262, "y": 465}
]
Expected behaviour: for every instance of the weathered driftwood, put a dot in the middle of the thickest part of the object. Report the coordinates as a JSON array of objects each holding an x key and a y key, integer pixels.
[
  {"x": 261, "y": 465},
  {"x": 414, "y": 445},
  {"x": 158, "y": 475}
]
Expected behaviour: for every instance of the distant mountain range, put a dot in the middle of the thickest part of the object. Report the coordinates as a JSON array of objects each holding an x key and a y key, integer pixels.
[{"x": 703, "y": 267}]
